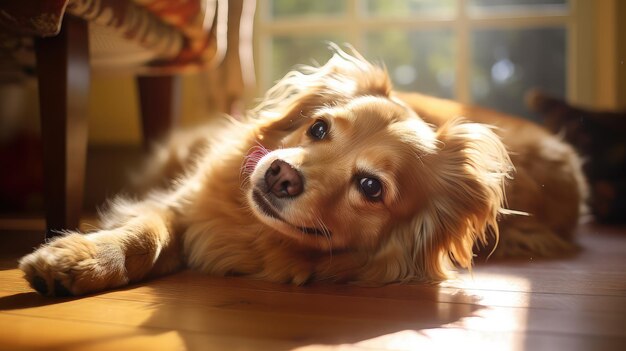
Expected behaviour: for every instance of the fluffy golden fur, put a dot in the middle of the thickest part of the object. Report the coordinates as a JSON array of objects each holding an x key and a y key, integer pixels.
[{"x": 333, "y": 177}]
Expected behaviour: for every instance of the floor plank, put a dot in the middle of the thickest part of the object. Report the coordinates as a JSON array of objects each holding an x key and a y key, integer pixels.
[{"x": 574, "y": 303}]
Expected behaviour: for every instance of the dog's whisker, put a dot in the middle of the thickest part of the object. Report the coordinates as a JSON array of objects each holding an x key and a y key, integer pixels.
[
  {"x": 246, "y": 207},
  {"x": 327, "y": 236}
]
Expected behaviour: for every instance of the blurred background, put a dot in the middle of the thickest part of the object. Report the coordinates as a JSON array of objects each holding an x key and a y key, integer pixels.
[
  {"x": 485, "y": 52},
  {"x": 488, "y": 52}
]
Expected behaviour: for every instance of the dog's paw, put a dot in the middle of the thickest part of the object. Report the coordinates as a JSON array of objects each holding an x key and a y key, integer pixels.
[{"x": 74, "y": 265}]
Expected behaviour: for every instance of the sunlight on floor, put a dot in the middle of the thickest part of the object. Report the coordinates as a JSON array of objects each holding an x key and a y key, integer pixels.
[
  {"x": 494, "y": 289},
  {"x": 494, "y": 326}
]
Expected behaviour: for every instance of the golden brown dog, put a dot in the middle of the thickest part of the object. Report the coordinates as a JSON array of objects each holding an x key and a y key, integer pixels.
[{"x": 332, "y": 177}]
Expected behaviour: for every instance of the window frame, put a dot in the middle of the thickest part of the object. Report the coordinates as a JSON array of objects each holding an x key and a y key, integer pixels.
[{"x": 577, "y": 18}]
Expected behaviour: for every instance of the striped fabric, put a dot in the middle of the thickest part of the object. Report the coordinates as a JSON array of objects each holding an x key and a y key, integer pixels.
[{"x": 176, "y": 33}]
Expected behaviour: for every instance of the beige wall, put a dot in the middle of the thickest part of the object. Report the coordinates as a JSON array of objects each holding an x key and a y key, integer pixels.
[
  {"x": 114, "y": 108},
  {"x": 113, "y": 111},
  {"x": 606, "y": 46},
  {"x": 621, "y": 54}
]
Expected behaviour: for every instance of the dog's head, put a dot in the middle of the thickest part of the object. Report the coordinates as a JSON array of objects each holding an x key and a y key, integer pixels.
[{"x": 351, "y": 167}]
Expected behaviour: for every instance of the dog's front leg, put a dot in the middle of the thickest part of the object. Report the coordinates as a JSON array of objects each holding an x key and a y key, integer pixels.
[{"x": 134, "y": 247}]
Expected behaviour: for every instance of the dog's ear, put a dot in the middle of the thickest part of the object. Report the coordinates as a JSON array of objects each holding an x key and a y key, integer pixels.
[
  {"x": 294, "y": 98},
  {"x": 465, "y": 196}
]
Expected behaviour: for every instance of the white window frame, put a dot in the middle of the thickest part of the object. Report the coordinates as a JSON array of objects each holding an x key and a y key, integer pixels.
[{"x": 576, "y": 18}]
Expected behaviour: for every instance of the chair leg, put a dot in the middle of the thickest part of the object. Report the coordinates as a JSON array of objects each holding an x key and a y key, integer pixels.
[
  {"x": 64, "y": 78},
  {"x": 159, "y": 104}
]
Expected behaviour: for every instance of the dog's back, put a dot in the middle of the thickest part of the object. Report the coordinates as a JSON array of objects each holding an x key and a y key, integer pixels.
[{"x": 548, "y": 183}]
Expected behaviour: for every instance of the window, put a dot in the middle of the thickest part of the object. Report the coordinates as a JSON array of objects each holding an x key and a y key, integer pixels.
[{"x": 488, "y": 52}]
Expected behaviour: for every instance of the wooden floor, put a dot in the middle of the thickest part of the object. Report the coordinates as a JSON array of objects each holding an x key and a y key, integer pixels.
[{"x": 576, "y": 303}]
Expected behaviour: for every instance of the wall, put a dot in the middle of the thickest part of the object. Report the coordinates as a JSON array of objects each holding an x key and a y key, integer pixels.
[
  {"x": 620, "y": 17},
  {"x": 114, "y": 108}
]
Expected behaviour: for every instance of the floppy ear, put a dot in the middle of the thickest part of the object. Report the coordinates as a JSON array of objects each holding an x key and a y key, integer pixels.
[{"x": 466, "y": 194}]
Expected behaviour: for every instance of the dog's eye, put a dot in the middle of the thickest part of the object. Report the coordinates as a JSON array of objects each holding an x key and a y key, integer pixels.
[
  {"x": 371, "y": 188},
  {"x": 318, "y": 130}
]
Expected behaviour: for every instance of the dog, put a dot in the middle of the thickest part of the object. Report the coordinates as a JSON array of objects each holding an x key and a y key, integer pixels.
[{"x": 332, "y": 177}]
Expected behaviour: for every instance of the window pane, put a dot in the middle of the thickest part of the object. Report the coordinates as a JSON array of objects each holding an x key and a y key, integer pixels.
[
  {"x": 506, "y": 63},
  {"x": 288, "y": 51},
  {"x": 404, "y": 8},
  {"x": 306, "y": 8},
  {"x": 515, "y": 5},
  {"x": 419, "y": 60}
]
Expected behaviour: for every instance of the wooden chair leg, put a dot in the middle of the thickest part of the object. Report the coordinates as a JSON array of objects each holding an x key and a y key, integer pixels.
[
  {"x": 159, "y": 104},
  {"x": 64, "y": 78}
]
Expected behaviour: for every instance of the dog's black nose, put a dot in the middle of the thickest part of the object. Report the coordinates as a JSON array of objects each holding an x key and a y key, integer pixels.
[{"x": 283, "y": 180}]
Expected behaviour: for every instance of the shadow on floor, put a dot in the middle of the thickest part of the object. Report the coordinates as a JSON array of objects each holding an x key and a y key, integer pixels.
[{"x": 245, "y": 312}]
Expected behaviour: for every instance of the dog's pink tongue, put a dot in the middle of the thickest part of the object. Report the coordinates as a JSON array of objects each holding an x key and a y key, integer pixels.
[
  {"x": 258, "y": 152},
  {"x": 254, "y": 156}
]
